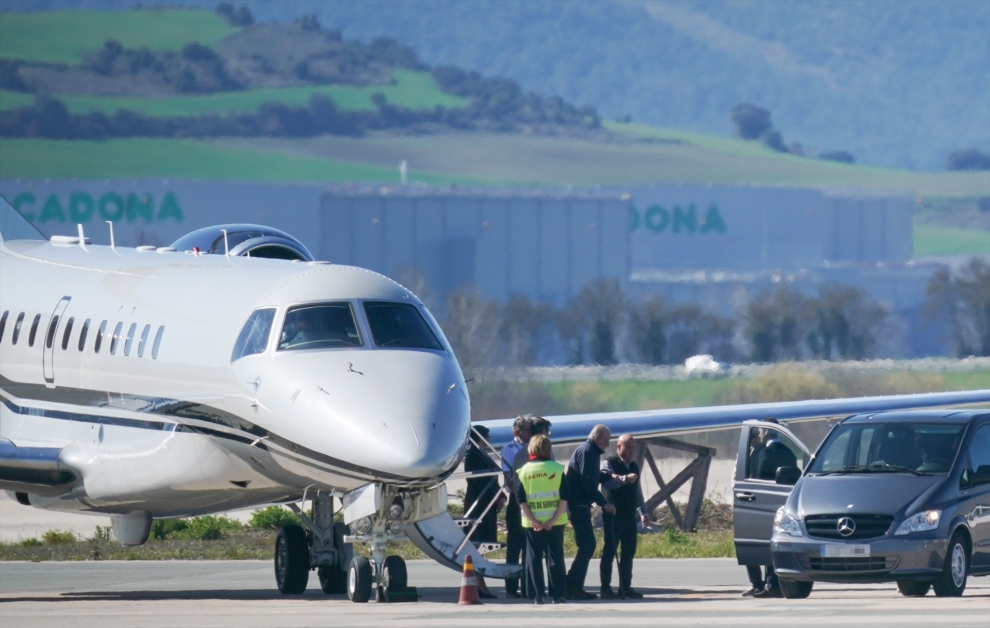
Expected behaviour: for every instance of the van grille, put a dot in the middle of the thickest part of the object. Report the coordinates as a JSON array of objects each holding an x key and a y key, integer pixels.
[
  {"x": 872, "y": 563},
  {"x": 867, "y": 526}
]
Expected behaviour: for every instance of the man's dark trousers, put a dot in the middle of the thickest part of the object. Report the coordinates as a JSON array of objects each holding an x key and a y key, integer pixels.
[
  {"x": 584, "y": 537},
  {"x": 620, "y": 534},
  {"x": 514, "y": 541},
  {"x": 756, "y": 577},
  {"x": 549, "y": 543}
]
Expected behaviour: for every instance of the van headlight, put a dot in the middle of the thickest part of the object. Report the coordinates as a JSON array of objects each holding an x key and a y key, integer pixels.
[
  {"x": 785, "y": 523},
  {"x": 920, "y": 522}
]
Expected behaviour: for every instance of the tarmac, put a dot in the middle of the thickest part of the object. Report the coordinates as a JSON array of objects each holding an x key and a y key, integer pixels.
[{"x": 242, "y": 594}]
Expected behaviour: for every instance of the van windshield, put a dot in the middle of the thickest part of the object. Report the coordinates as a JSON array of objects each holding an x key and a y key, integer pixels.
[{"x": 919, "y": 448}]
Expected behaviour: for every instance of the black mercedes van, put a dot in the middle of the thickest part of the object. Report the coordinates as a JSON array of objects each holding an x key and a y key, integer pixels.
[{"x": 901, "y": 496}]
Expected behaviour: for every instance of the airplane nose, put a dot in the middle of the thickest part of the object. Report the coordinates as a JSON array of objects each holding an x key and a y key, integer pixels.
[{"x": 400, "y": 413}]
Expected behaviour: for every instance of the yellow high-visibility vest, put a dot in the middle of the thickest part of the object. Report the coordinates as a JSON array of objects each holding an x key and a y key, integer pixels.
[{"x": 541, "y": 479}]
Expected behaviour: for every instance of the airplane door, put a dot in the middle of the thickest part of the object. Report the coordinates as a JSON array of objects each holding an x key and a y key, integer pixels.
[
  {"x": 756, "y": 495},
  {"x": 50, "y": 341}
]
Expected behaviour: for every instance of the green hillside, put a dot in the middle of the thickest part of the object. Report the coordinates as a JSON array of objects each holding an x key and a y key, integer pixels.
[
  {"x": 939, "y": 240},
  {"x": 64, "y": 36},
  {"x": 415, "y": 90}
]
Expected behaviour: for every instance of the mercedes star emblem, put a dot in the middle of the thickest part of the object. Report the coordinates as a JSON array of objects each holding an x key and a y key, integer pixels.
[{"x": 846, "y": 526}]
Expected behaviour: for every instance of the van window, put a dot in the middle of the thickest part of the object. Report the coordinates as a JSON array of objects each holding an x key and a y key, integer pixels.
[
  {"x": 17, "y": 329},
  {"x": 979, "y": 450},
  {"x": 67, "y": 333},
  {"x": 144, "y": 340},
  {"x": 158, "y": 342},
  {"x": 115, "y": 338},
  {"x": 50, "y": 334},
  {"x": 254, "y": 335},
  {"x": 99, "y": 337},
  {"x": 34, "y": 329},
  {"x": 82, "y": 334},
  {"x": 769, "y": 450},
  {"x": 399, "y": 325},
  {"x": 319, "y": 326},
  {"x": 130, "y": 338},
  {"x": 3, "y": 324}
]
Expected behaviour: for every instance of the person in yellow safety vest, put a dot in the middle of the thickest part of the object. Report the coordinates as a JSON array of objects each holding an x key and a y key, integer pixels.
[{"x": 542, "y": 497}]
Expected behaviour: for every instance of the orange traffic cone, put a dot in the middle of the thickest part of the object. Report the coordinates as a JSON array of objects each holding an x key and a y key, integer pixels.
[{"x": 469, "y": 584}]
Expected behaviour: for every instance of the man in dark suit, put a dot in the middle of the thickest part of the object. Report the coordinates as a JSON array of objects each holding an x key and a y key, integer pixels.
[
  {"x": 583, "y": 476},
  {"x": 621, "y": 485}
]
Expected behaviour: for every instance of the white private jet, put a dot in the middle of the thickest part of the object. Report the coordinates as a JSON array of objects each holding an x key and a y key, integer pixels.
[{"x": 230, "y": 370}]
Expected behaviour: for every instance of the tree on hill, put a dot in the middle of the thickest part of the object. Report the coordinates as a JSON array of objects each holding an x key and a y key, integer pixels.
[
  {"x": 753, "y": 123},
  {"x": 841, "y": 156},
  {"x": 963, "y": 298},
  {"x": 237, "y": 17}
]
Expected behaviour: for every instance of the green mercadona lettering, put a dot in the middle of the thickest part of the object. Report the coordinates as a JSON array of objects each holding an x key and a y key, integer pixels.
[
  {"x": 658, "y": 219},
  {"x": 83, "y": 207}
]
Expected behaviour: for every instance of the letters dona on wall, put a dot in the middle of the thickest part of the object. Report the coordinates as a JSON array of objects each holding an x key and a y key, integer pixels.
[{"x": 660, "y": 219}]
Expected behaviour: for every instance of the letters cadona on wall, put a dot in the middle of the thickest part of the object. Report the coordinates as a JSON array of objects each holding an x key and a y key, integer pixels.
[
  {"x": 658, "y": 219},
  {"x": 83, "y": 207}
]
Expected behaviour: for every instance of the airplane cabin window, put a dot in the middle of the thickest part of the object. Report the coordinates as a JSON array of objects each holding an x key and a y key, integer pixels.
[
  {"x": 115, "y": 338},
  {"x": 50, "y": 334},
  {"x": 34, "y": 329},
  {"x": 17, "y": 329},
  {"x": 399, "y": 325},
  {"x": 3, "y": 324},
  {"x": 254, "y": 335},
  {"x": 144, "y": 340},
  {"x": 319, "y": 326},
  {"x": 67, "y": 333},
  {"x": 99, "y": 337},
  {"x": 130, "y": 339},
  {"x": 158, "y": 342},
  {"x": 82, "y": 334}
]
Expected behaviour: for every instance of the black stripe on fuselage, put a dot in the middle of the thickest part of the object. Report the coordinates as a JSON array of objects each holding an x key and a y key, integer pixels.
[{"x": 171, "y": 408}]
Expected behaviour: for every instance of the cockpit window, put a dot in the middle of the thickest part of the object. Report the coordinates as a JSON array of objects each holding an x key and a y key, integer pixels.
[
  {"x": 254, "y": 335},
  {"x": 319, "y": 326},
  {"x": 399, "y": 325}
]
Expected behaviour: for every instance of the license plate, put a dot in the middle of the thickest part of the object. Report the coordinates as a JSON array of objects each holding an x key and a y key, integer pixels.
[{"x": 845, "y": 551}]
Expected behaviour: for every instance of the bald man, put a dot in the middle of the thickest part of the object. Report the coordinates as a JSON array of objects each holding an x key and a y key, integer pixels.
[
  {"x": 620, "y": 484},
  {"x": 583, "y": 477}
]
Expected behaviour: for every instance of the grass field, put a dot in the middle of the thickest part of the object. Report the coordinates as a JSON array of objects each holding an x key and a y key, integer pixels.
[
  {"x": 939, "y": 240},
  {"x": 415, "y": 90},
  {"x": 63, "y": 36},
  {"x": 525, "y": 159},
  {"x": 33, "y": 158}
]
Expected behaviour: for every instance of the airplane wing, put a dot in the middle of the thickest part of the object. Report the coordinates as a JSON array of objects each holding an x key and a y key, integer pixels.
[{"x": 574, "y": 428}]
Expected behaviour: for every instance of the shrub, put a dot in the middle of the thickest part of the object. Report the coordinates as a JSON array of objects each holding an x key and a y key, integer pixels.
[
  {"x": 272, "y": 518},
  {"x": 31, "y": 542},
  {"x": 675, "y": 536},
  {"x": 163, "y": 529},
  {"x": 210, "y": 528},
  {"x": 968, "y": 159},
  {"x": 752, "y": 122},
  {"x": 841, "y": 156},
  {"x": 59, "y": 537}
]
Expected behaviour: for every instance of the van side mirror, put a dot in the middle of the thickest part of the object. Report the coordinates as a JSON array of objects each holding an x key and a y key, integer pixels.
[{"x": 787, "y": 475}]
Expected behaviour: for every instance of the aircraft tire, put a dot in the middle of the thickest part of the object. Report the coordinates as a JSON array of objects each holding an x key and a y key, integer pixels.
[
  {"x": 291, "y": 560},
  {"x": 394, "y": 573},
  {"x": 333, "y": 579},
  {"x": 359, "y": 579}
]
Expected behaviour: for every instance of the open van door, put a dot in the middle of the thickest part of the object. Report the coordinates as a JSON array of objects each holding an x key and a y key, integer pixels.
[{"x": 763, "y": 448}]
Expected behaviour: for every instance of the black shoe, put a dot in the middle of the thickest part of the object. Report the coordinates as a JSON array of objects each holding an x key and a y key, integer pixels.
[
  {"x": 752, "y": 591},
  {"x": 608, "y": 594},
  {"x": 768, "y": 593},
  {"x": 538, "y": 600},
  {"x": 632, "y": 594},
  {"x": 559, "y": 600},
  {"x": 586, "y": 595},
  {"x": 512, "y": 595}
]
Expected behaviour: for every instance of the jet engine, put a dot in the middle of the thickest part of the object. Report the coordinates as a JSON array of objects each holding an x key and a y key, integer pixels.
[{"x": 246, "y": 240}]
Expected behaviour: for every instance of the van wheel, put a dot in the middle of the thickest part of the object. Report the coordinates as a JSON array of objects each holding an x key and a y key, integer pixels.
[
  {"x": 796, "y": 590},
  {"x": 952, "y": 581},
  {"x": 913, "y": 588}
]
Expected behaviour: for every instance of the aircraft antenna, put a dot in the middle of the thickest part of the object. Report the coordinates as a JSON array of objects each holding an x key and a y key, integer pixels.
[
  {"x": 82, "y": 236},
  {"x": 226, "y": 249},
  {"x": 112, "y": 246}
]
